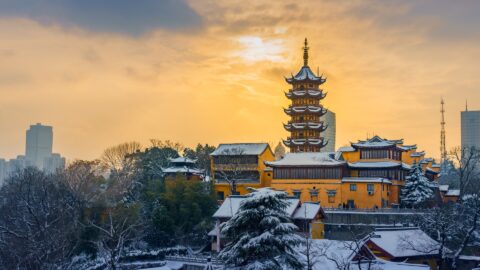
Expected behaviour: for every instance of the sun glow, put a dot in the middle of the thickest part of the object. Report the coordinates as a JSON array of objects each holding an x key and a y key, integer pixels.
[{"x": 256, "y": 49}]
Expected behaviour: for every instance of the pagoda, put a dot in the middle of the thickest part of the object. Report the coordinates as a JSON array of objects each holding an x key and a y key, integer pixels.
[{"x": 305, "y": 126}]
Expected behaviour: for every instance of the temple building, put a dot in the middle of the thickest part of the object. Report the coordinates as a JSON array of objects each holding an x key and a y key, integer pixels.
[
  {"x": 305, "y": 126},
  {"x": 366, "y": 174},
  {"x": 183, "y": 168},
  {"x": 236, "y": 166}
]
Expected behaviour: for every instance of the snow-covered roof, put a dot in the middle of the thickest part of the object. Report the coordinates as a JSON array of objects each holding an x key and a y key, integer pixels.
[
  {"x": 365, "y": 180},
  {"x": 377, "y": 142},
  {"x": 307, "y": 159},
  {"x": 301, "y": 109},
  {"x": 235, "y": 149},
  {"x": 304, "y": 74},
  {"x": 336, "y": 254},
  {"x": 436, "y": 165},
  {"x": 426, "y": 160},
  {"x": 346, "y": 149},
  {"x": 453, "y": 192},
  {"x": 404, "y": 242},
  {"x": 231, "y": 205},
  {"x": 407, "y": 147},
  {"x": 182, "y": 170},
  {"x": 469, "y": 258},
  {"x": 443, "y": 188},
  {"x": 182, "y": 160},
  {"x": 290, "y": 142},
  {"x": 417, "y": 154},
  {"x": 374, "y": 164},
  {"x": 303, "y": 93},
  {"x": 307, "y": 210}
]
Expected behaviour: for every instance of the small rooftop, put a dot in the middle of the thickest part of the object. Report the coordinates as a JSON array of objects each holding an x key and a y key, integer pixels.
[
  {"x": 404, "y": 242},
  {"x": 182, "y": 160},
  {"x": 236, "y": 149}
]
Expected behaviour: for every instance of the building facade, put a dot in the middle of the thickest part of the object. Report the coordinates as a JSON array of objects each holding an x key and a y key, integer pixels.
[
  {"x": 183, "y": 168},
  {"x": 367, "y": 174},
  {"x": 237, "y": 166},
  {"x": 330, "y": 133},
  {"x": 39, "y": 144},
  {"x": 305, "y": 111},
  {"x": 470, "y": 129}
]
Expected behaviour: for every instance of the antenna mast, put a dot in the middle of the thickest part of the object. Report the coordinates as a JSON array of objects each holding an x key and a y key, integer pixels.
[{"x": 443, "y": 148}]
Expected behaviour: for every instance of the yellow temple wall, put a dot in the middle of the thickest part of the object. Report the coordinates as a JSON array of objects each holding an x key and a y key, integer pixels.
[
  {"x": 361, "y": 197},
  {"x": 351, "y": 156}
]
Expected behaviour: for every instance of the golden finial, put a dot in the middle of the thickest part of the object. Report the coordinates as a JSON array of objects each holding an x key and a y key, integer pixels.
[{"x": 305, "y": 53}]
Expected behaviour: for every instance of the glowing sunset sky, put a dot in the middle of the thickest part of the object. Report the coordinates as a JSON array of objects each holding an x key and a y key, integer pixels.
[{"x": 110, "y": 71}]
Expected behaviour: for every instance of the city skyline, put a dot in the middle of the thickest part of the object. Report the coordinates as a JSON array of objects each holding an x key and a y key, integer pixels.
[{"x": 221, "y": 74}]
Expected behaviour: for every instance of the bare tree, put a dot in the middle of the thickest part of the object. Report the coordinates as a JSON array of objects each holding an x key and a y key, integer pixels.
[
  {"x": 117, "y": 228},
  {"x": 348, "y": 255},
  {"x": 455, "y": 227},
  {"x": 467, "y": 160},
  {"x": 311, "y": 253},
  {"x": 84, "y": 180},
  {"x": 118, "y": 158},
  {"x": 167, "y": 144},
  {"x": 230, "y": 166},
  {"x": 38, "y": 221}
]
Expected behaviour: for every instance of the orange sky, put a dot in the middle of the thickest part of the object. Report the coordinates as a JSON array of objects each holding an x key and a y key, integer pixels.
[{"x": 220, "y": 79}]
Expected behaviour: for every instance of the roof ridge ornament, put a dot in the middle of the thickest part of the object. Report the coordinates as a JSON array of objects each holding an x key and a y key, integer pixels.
[{"x": 305, "y": 53}]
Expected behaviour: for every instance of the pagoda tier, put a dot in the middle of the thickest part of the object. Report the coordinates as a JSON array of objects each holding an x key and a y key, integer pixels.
[
  {"x": 316, "y": 110},
  {"x": 313, "y": 93},
  {"x": 305, "y": 110},
  {"x": 317, "y": 126},
  {"x": 305, "y": 75},
  {"x": 320, "y": 142}
]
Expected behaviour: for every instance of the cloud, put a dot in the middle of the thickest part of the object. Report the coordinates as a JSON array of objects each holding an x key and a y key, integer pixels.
[{"x": 132, "y": 17}]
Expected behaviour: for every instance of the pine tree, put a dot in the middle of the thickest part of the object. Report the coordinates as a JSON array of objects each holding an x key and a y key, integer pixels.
[
  {"x": 417, "y": 190},
  {"x": 262, "y": 235}
]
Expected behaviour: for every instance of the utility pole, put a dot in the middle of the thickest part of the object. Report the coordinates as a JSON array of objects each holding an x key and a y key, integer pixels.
[{"x": 443, "y": 148}]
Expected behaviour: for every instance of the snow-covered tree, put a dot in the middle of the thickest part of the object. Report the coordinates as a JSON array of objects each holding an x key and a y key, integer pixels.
[
  {"x": 279, "y": 151},
  {"x": 417, "y": 190},
  {"x": 262, "y": 235},
  {"x": 456, "y": 228}
]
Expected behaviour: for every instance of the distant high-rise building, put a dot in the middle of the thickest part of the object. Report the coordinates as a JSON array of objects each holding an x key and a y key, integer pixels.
[
  {"x": 330, "y": 133},
  {"x": 3, "y": 170},
  {"x": 470, "y": 128},
  {"x": 39, "y": 144},
  {"x": 53, "y": 163}
]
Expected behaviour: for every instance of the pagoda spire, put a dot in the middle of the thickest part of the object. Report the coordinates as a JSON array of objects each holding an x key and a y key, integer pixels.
[{"x": 305, "y": 53}]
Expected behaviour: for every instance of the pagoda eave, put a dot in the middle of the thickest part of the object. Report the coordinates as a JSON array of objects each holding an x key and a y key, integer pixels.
[
  {"x": 316, "y": 94},
  {"x": 305, "y": 126},
  {"x": 305, "y": 142}
]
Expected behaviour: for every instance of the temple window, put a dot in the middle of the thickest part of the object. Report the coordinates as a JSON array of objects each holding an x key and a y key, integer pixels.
[
  {"x": 370, "y": 187},
  {"x": 331, "y": 195},
  {"x": 314, "y": 194},
  {"x": 297, "y": 193},
  {"x": 353, "y": 187}
]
